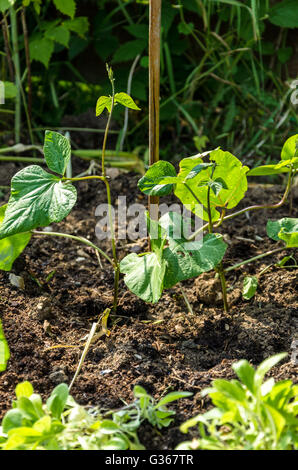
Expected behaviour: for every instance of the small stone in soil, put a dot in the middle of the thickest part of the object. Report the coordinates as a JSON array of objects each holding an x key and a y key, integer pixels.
[{"x": 58, "y": 377}]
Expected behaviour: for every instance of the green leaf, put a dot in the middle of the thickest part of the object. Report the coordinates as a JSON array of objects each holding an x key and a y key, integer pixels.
[
  {"x": 57, "y": 401},
  {"x": 228, "y": 169},
  {"x": 147, "y": 275},
  {"x": 285, "y": 229},
  {"x": 37, "y": 199},
  {"x": 41, "y": 49},
  {"x": 149, "y": 183},
  {"x": 173, "y": 396},
  {"x": 245, "y": 373},
  {"x": 278, "y": 420},
  {"x": 217, "y": 185},
  {"x": 230, "y": 389},
  {"x": 126, "y": 100},
  {"x": 265, "y": 366},
  {"x": 5, "y": 4},
  {"x": 290, "y": 148},
  {"x": 291, "y": 162},
  {"x": 186, "y": 260},
  {"x": 284, "y": 14},
  {"x": 102, "y": 103},
  {"x": 27, "y": 408},
  {"x": 24, "y": 389},
  {"x": 79, "y": 25},
  {"x": 139, "y": 392},
  {"x": 197, "y": 169},
  {"x": 284, "y": 54},
  {"x": 265, "y": 170},
  {"x": 12, "y": 419},
  {"x": 43, "y": 425},
  {"x": 67, "y": 7},
  {"x": 57, "y": 151},
  {"x": 36, "y": 4},
  {"x": 11, "y": 247},
  {"x": 250, "y": 285},
  {"x": 108, "y": 427},
  {"x": 10, "y": 90},
  {"x": 4, "y": 350},
  {"x": 185, "y": 28},
  {"x": 139, "y": 31},
  {"x": 129, "y": 50},
  {"x": 58, "y": 34},
  {"x": 144, "y": 275}
]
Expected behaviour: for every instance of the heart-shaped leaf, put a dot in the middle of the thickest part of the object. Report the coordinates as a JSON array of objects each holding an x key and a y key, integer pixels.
[
  {"x": 144, "y": 275},
  {"x": 250, "y": 285},
  {"x": 228, "y": 172},
  {"x": 37, "y": 199},
  {"x": 188, "y": 259},
  {"x": 11, "y": 247}
]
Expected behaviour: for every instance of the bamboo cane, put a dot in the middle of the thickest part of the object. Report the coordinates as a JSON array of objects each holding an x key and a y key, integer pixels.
[{"x": 154, "y": 89}]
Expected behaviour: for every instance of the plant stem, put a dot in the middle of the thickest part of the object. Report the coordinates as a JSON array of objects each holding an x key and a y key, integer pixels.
[
  {"x": 111, "y": 222},
  {"x": 83, "y": 178},
  {"x": 7, "y": 47},
  {"x": 28, "y": 63},
  {"x": 255, "y": 258},
  {"x": 16, "y": 61},
  {"x": 265, "y": 206},
  {"x": 116, "y": 286},
  {"x": 107, "y": 131},
  {"x": 74, "y": 129},
  {"x": 210, "y": 225},
  {"x": 251, "y": 208},
  {"x": 11, "y": 158},
  {"x": 114, "y": 262},
  {"x": 222, "y": 277},
  {"x": 78, "y": 239}
]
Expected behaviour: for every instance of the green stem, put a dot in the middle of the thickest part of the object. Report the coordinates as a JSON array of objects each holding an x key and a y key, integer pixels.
[
  {"x": 11, "y": 158},
  {"x": 210, "y": 225},
  {"x": 265, "y": 206},
  {"x": 255, "y": 258},
  {"x": 74, "y": 129},
  {"x": 78, "y": 239},
  {"x": 251, "y": 208},
  {"x": 107, "y": 130},
  {"x": 16, "y": 61},
  {"x": 116, "y": 287},
  {"x": 83, "y": 178}
]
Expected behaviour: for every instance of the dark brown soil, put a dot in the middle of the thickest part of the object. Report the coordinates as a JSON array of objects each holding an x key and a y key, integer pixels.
[{"x": 161, "y": 347}]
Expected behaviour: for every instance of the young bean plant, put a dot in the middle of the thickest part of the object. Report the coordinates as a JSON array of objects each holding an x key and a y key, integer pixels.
[
  {"x": 209, "y": 185},
  {"x": 39, "y": 198}
]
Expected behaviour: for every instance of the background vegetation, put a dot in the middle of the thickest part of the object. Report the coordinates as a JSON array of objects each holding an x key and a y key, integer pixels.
[{"x": 226, "y": 70}]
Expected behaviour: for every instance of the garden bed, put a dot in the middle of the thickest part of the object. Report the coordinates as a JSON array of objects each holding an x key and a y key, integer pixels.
[{"x": 161, "y": 347}]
